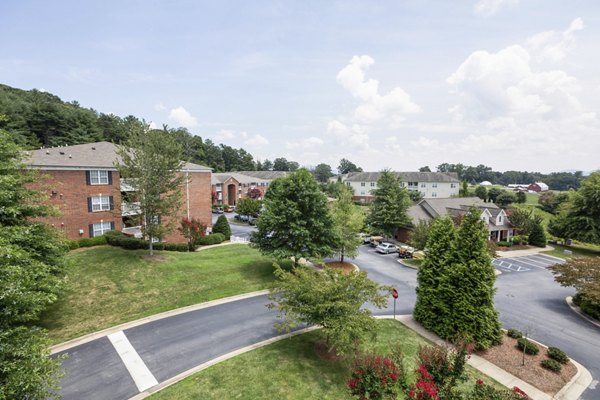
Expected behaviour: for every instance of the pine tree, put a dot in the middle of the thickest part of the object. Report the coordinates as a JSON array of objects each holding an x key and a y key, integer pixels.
[
  {"x": 388, "y": 210},
  {"x": 222, "y": 226},
  {"x": 432, "y": 292},
  {"x": 472, "y": 278}
]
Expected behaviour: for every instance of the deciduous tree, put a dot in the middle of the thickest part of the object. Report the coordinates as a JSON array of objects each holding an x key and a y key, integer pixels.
[
  {"x": 248, "y": 206},
  {"x": 348, "y": 220},
  {"x": 582, "y": 273},
  {"x": 329, "y": 299},
  {"x": 151, "y": 162},
  {"x": 322, "y": 172},
  {"x": 481, "y": 192},
  {"x": 347, "y": 166},
  {"x": 295, "y": 221}
]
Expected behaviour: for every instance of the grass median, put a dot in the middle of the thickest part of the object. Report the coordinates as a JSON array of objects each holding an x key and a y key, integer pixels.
[
  {"x": 108, "y": 286},
  {"x": 291, "y": 369}
]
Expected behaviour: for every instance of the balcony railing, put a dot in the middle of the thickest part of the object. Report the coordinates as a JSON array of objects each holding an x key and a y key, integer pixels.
[
  {"x": 128, "y": 209},
  {"x": 136, "y": 231}
]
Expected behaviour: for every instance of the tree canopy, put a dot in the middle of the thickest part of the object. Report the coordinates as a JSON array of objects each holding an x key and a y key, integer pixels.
[
  {"x": 582, "y": 273},
  {"x": 322, "y": 172},
  {"x": 32, "y": 265},
  {"x": 388, "y": 210},
  {"x": 348, "y": 220},
  {"x": 151, "y": 162},
  {"x": 347, "y": 166},
  {"x": 330, "y": 299},
  {"x": 295, "y": 221}
]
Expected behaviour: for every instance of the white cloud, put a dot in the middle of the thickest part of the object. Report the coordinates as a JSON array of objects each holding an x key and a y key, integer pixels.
[
  {"x": 390, "y": 108},
  {"x": 256, "y": 140},
  {"x": 182, "y": 117},
  {"x": 305, "y": 143},
  {"x": 554, "y": 46},
  {"x": 153, "y": 125},
  {"x": 488, "y": 8},
  {"x": 354, "y": 136},
  {"x": 160, "y": 107},
  {"x": 225, "y": 134}
]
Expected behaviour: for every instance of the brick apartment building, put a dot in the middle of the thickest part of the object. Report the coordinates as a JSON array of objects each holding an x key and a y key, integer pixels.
[
  {"x": 82, "y": 182},
  {"x": 229, "y": 187}
]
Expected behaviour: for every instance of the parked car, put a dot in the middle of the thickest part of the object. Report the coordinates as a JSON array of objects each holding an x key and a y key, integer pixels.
[
  {"x": 406, "y": 252},
  {"x": 386, "y": 248},
  {"x": 252, "y": 221},
  {"x": 217, "y": 210},
  {"x": 228, "y": 208},
  {"x": 364, "y": 238},
  {"x": 375, "y": 240},
  {"x": 241, "y": 218}
]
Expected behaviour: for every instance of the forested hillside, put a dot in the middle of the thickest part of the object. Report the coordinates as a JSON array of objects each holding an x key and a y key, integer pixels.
[{"x": 36, "y": 119}]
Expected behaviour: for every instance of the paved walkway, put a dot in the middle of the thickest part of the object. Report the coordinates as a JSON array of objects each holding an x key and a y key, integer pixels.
[{"x": 525, "y": 252}]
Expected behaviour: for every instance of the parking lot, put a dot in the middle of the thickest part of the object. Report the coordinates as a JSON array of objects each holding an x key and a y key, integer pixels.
[{"x": 524, "y": 263}]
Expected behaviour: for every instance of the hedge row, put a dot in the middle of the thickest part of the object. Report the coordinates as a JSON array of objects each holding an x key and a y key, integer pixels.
[
  {"x": 86, "y": 242},
  {"x": 116, "y": 238},
  {"x": 214, "y": 238}
]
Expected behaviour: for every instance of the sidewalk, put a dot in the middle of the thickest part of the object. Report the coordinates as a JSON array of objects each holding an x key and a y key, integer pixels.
[
  {"x": 571, "y": 391},
  {"x": 526, "y": 252}
]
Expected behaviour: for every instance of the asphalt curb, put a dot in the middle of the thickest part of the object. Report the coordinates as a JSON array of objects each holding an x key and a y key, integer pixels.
[
  {"x": 198, "y": 368},
  {"x": 577, "y": 310},
  {"x": 571, "y": 391},
  {"x": 127, "y": 325}
]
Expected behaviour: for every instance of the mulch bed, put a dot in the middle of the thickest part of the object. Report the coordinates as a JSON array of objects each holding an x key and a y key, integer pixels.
[
  {"x": 324, "y": 352},
  {"x": 344, "y": 267},
  {"x": 508, "y": 357}
]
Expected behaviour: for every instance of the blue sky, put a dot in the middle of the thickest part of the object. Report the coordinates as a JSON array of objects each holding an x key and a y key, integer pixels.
[{"x": 512, "y": 84}]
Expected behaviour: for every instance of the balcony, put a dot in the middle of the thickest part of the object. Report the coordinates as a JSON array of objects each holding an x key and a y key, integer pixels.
[
  {"x": 126, "y": 187},
  {"x": 129, "y": 209},
  {"x": 135, "y": 231}
]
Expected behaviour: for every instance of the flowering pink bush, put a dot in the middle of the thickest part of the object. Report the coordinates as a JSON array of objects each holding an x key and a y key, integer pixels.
[
  {"x": 425, "y": 388},
  {"x": 376, "y": 377},
  {"x": 193, "y": 230}
]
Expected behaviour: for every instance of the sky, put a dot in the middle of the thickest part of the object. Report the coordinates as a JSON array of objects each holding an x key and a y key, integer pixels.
[{"x": 512, "y": 84}]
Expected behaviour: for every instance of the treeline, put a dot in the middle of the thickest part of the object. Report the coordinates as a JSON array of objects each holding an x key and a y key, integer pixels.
[
  {"x": 35, "y": 119},
  {"x": 480, "y": 173}
]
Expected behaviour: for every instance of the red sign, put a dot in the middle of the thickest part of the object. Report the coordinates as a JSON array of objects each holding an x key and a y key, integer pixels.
[{"x": 394, "y": 293}]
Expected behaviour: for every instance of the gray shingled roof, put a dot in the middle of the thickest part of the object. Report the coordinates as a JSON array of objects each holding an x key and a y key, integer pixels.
[
  {"x": 241, "y": 178},
  {"x": 97, "y": 155},
  {"x": 405, "y": 176},
  {"x": 266, "y": 175},
  {"x": 428, "y": 209}
]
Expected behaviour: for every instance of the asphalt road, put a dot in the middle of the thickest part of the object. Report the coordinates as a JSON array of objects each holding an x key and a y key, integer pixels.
[{"x": 528, "y": 300}]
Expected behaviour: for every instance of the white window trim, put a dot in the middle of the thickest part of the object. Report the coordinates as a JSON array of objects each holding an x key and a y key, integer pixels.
[
  {"x": 100, "y": 228},
  {"x": 100, "y": 203},
  {"x": 98, "y": 176}
]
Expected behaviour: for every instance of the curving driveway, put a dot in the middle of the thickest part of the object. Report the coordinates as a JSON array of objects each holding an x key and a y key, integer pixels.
[{"x": 120, "y": 366}]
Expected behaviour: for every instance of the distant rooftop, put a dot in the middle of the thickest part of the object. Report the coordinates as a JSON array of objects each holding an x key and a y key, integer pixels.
[{"x": 404, "y": 176}]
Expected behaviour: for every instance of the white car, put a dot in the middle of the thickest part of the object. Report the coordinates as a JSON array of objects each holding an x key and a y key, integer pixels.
[{"x": 386, "y": 248}]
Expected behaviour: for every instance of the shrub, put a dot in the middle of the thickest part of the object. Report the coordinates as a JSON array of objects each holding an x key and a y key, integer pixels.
[
  {"x": 520, "y": 239},
  {"x": 557, "y": 354},
  {"x": 213, "y": 238},
  {"x": 504, "y": 243},
  {"x": 181, "y": 247},
  {"x": 527, "y": 346},
  {"x": 222, "y": 226},
  {"x": 446, "y": 367},
  {"x": 482, "y": 391},
  {"x": 87, "y": 242},
  {"x": 514, "y": 333},
  {"x": 552, "y": 365},
  {"x": 588, "y": 306},
  {"x": 376, "y": 377},
  {"x": 72, "y": 244}
]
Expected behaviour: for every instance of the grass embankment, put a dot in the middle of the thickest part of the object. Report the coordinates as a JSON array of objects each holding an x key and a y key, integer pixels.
[
  {"x": 109, "y": 285},
  {"x": 290, "y": 369},
  {"x": 577, "y": 250}
]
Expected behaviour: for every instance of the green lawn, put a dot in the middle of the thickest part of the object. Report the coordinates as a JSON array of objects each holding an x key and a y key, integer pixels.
[
  {"x": 532, "y": 198},
  {"x": 290, "y": 369},
  {"x": 109, "y": 285},
  {"x": 546, "y": 216},
  {"x": 578, "y": 250}
]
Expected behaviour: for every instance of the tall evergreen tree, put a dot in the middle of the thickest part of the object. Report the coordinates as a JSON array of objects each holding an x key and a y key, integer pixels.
[
  {"x": 433, "y": 295},
  {"x": 296, "y": 221},
  {"x": 472, "y": 278},
  {"x": 31, "y": 278},
  {"x": 388, "y": 210}
]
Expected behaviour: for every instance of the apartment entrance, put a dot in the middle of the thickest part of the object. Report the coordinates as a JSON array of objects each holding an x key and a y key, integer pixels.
[{"x": 231, "y": 194}]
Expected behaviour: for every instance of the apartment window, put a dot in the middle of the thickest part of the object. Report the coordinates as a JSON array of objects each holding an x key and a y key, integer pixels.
[
  {"x": 219, "y": 185},
  {"x": 348, "y": 184},
  {"x": 453, "y": 185},
  {"x": 100, "y": 228},
  {"x": 372, "y": 184},
  {"x": 434, "y": 185},
  {"x": 423, "y": 185},
  {"x": 362, "y": 192},
  {"x": 499, "y": 219},
  {"x": 98, "y": 177},
  {"x": 100, "y": 203},
  {"x": 362, "y": 184},
  {"x": 434, "y": 194}
]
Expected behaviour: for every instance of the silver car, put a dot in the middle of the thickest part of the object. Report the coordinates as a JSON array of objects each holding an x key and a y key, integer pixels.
[{"x": 386, "y": 248}]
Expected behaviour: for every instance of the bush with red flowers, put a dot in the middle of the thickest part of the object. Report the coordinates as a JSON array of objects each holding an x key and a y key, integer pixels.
[
  {"x": 193, "y": 230},
  {"x": 377, "y": 377}
]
